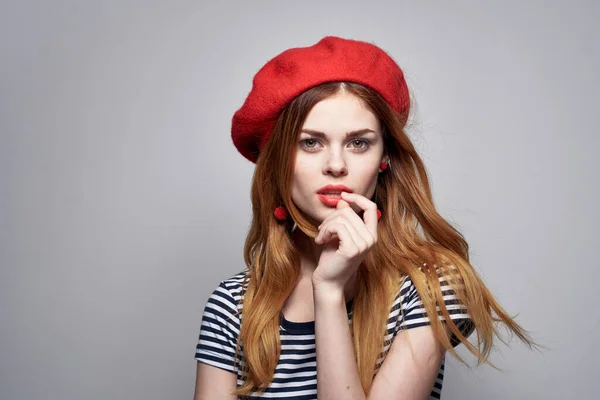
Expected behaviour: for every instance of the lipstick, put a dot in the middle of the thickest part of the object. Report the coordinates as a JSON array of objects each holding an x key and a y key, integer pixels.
[
  {"x": 329, "y": 200},
  {"x": 330, "y": 195}
]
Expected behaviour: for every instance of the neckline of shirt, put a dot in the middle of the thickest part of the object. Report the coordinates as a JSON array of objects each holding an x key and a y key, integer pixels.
[{"x": 307, "y": 328}]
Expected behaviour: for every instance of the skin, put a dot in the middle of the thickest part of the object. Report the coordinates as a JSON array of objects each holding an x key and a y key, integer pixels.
[
  {"x": 336, "y": 159},
  {"x": 330, "y": 261}
]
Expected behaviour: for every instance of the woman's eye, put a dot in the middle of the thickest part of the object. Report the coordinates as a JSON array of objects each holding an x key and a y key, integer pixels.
[
  {"x": 311, "y": 144},
  {"x": 308, "y": 144},
  {"x": 360, "y": 142}
]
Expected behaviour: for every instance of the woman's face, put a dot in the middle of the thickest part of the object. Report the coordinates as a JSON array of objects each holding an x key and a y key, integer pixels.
[{"x": 326, "y": 155}]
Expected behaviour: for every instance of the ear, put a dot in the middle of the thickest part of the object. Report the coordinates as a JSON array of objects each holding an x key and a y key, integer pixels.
[{"x": 385, "y": 159}]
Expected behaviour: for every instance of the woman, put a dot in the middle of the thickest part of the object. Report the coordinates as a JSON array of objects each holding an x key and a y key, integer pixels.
[{"x": 353, "y": 279}]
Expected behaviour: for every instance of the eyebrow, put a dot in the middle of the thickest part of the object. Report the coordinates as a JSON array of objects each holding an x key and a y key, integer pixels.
[{"x": 348, "y": 134}]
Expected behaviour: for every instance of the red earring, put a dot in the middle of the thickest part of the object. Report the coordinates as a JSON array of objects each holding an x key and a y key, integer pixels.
[
  {"x": 378, "y": 214},
  {"x": 281, "y": 213},
  {"x": 383, "y": 166}
]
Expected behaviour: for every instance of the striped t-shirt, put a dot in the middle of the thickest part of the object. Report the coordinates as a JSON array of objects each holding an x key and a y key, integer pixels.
[{"x": 296, "y": 371}]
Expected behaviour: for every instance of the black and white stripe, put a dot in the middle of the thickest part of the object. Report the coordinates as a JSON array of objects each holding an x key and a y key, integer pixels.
[{"x": 296, "y": 373}]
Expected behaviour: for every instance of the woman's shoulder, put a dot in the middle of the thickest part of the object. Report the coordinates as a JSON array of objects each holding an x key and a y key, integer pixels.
[
  {"x": 237, "y": 280},
  {"x": 233, "y": 288}
]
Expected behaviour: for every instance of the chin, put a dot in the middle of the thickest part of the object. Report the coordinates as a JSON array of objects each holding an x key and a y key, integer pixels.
[{"x": 314, "y": 213}]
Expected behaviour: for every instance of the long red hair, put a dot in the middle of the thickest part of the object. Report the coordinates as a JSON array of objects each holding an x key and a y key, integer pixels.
[{"x": 413, "y": 240}]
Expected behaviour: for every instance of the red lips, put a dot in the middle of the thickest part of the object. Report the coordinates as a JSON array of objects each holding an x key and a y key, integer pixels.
[
  {"x": 337, "y": 189},
  {"x": 330, "y": 195}
]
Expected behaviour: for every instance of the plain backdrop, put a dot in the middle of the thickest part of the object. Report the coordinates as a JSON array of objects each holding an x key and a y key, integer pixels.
[{"x": 123, "y": 201}]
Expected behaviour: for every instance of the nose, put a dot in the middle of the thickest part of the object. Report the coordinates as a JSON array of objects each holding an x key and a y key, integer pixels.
[{"x": 335, "y": 165}]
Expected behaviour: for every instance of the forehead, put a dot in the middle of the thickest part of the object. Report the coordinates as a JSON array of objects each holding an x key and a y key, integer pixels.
[{"x": 339, "y": 114}]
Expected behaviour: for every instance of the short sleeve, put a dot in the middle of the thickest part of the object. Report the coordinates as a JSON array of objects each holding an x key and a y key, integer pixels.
[
  {"x": 413, "y": 314},
  {"x": 219, "y": 330}
]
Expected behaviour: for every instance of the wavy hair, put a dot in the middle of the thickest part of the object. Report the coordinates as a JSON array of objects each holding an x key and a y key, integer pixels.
[{"x": 413, "y": 240}]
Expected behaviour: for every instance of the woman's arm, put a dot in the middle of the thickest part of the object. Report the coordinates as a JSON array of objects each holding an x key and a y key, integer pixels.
[
  {"x": 214, "y": 383},
  {"x": 411, "y": 366},
  {"x": 408, "y": 371},
  {"x": 337, "y": 372}
]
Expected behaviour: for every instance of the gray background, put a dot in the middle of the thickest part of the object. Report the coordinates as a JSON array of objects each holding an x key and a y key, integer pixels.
[{"x": 124, "y": 202}]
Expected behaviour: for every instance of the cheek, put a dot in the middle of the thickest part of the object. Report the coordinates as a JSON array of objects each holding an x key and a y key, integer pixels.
[
  {"x": 371, "y": 190},
  {"x": 302, "y": 174},
  {"x": 369, "y": 180},
  {"x": 302, "y": 183}
]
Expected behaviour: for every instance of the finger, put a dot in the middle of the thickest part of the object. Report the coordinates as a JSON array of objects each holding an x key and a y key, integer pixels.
[
  {"x": 339, "y": 206},
  {"x": 344, "y": 204},
  {"x": 370, "y": 208},
  {"x": 365, "y": 239},
  {"x": 356, "y": 227},
  {"x": 347, "y": 245}
]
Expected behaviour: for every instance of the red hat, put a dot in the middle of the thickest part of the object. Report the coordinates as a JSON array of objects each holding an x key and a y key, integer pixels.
[{"x": 298, "y": 69}]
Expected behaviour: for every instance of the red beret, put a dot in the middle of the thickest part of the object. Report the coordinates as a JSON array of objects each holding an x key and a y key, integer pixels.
[{"x": 298, "y": 69}]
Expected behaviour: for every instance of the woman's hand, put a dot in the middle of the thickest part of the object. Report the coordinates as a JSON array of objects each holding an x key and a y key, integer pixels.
[{"x": 347, "y": 240}]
